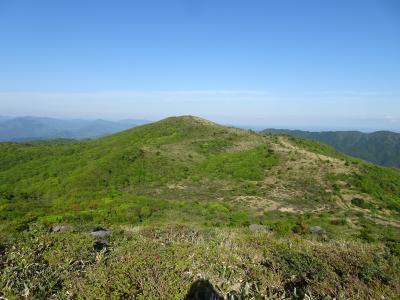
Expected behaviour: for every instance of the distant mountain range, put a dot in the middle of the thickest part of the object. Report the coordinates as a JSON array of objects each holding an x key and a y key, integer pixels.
[
  {"x": 381, "y": 147},
  {"x": 37, "y": 128}
]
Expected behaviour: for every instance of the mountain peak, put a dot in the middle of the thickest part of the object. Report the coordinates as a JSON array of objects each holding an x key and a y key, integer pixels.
[{"x": 190, "y": 119}]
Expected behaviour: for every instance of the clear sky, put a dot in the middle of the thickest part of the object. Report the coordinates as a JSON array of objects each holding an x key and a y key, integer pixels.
[{"x": 299, "y": 64}]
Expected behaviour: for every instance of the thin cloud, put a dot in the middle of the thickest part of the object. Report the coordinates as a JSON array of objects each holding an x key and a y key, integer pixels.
[
  {"x": 354, "y": 93},
  {"x": 391, "y": 119}
]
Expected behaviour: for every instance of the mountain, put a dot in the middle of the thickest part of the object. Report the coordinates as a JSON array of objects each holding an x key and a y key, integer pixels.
[
  {"x": 133, "y": 122},
  {"x": 36, "y": 128},
  {"x": 381, "y": 147},
  {"x": 100, "y": 127},
  {"x": 31, "y": 128},
  {"x": 184, "y": 206},
  {"x": 4, "y": 118}
]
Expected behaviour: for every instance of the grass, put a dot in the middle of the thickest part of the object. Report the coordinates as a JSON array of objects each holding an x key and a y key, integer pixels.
[
  {"x": 382, "y": 184},
  {"x": 162, "y": 263},
  {"x": 244, "y": 165}
]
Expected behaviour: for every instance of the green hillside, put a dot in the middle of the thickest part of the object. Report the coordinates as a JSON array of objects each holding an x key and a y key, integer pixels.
[
  {"x": 381, "y": 147},
  {"x": 183, "y": 199}
]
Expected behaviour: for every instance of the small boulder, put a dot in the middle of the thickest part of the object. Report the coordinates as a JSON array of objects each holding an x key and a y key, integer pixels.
[
  {"x": 60, "y": 228},
  {"x": 100, "y": 232},
  {"x": 99, "y": 245},
  {"x": 317, "y": 230},
  {"x": 258, "y": 228}
]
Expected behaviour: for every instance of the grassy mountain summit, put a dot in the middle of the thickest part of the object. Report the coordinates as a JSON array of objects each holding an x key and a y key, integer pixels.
[{"x": 185, "y": 185}]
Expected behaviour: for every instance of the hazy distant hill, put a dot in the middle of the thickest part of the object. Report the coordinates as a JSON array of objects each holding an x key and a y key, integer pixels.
[
  {"x": 33, "y": 128},
  {"x": 4, "y": 118},
  {"x": 381, "y": 147}
]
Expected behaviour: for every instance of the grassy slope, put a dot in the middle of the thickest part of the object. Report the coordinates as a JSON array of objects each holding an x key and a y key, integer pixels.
[
  {"x": 188, "y": 171},
  {"x": 381, "y": 147}
]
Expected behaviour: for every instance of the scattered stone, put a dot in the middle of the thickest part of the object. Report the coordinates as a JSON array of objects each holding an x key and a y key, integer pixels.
[
  {"x": 99, "y": 245},
  {"x": 60, "y": 228},
  {"x": 258, "y": 228},
  {"x": 317, "y": 230},
  {"x": 100, "y": 232}
]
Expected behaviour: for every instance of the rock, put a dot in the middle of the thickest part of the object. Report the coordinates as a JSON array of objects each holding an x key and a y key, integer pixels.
[
  {"x": 100, "y": 232},
  {"x": 258, "y": 228},
  {"x": 99, "y": 245},
  {"x": 317, "y": 230},
  {"x": 61, "y": 227}
]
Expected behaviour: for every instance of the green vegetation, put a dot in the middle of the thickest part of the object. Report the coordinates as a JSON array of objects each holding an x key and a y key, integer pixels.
[
  {"x": 162, "y": 263},
  {"x": 245, "y": 165},
  {"x": 257, "y": 215},
  {"x": 381, "y": 147},
  {"x": 383, "y": 184}
]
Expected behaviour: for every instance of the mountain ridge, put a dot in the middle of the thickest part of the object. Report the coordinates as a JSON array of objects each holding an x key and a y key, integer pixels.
[
  {"x": 194, "y": 153},
  {"x": 380, "y": 147},
  {"x": 142, "y": 212}
]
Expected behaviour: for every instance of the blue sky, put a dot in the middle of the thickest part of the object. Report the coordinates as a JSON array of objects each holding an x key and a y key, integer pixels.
[{"x": 298, "y": 64}]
